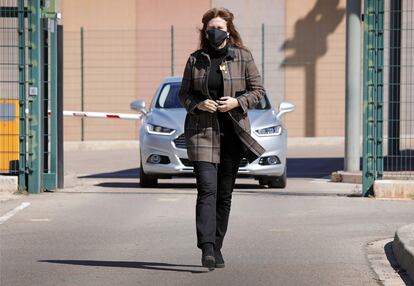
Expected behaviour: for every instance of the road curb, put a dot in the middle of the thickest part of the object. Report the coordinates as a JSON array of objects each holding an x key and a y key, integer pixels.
[
  {"x": 101, "y": 145},
  {"x": 403, "y": 248},
  {"x": 315, "y": 141},
  {"x": 8, "y": 188},
  {"x": 383, "y": 189},
  {"x": 8, "y": 184},
  {"x": 347, "y": 177},
  {"x": 394, "y": 189}
]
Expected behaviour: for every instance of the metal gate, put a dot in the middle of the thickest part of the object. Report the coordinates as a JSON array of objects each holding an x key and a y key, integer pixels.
[
  {"x": 388, "y": 140},
  {"x": 28, "y": 91}
]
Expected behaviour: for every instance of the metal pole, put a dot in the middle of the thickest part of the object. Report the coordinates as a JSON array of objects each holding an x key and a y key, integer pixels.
[
  {"x": 60, "y": 138},
  {"x": 263, "y": 52},
  {"x": 82, "y": 87},
  {"x": 35, "y": 163},
  {"x": 379, "y": 83},
  {"x": 373, "y": 94},
  {"x": 22, "y": 97},
  {"x": 172, "y": 50},
  {"x": 46, "y": 94},
  {"x": 352, "y": 86},
  {"x": 53, "y": 104},
  {"x": 368, "y": 161}
]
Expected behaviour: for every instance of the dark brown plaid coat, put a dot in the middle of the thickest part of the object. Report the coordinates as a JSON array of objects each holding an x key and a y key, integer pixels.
[{"x": 241, "y": 80}]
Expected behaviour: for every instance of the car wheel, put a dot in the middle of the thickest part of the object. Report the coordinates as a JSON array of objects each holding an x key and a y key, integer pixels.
[
  {"x": 279, "y": 182},
  {"x": 146, "y": 181}
]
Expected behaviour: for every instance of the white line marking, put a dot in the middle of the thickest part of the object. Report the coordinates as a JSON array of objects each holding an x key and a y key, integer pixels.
[
  {"x": 167, "y": 200},
  {"x": 39, "y": 219},
  {"x": 280, "y": 230},
  {"x": 320, "y": 180},
  {"x": 13, "y": 212}
]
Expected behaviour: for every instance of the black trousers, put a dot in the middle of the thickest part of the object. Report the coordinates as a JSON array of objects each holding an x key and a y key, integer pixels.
[{"x": 215, "y": 183}]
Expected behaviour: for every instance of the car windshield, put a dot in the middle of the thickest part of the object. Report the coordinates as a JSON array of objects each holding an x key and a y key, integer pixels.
[{"x": 168, "y": 97}]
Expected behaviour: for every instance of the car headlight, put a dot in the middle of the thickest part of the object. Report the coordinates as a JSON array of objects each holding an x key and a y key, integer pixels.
[
  {"x": 159, "y": 130},
  {"x": 269, "y": 131}
]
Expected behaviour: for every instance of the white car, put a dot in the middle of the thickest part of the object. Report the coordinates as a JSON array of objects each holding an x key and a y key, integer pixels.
[{"x": 163, "y": 151}]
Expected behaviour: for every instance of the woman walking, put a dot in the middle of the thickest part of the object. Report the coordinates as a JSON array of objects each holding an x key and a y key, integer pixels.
[{"x": 220, "y": 83}]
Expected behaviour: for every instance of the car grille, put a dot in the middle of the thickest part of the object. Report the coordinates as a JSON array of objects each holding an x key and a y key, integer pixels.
[
  {"x": 180, "y": 142},
  {"x": 188, "y": 163}
]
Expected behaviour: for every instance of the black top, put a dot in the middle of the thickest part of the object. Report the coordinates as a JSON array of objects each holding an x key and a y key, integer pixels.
[
  {"x": 215, "y": 78},
  {"x": 215, "y": 87}
]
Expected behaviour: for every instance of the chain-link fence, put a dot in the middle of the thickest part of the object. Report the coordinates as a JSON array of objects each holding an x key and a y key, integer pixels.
[
  {"x": 105, "y": 70},
  {"x": 388, "y": 91},
  {"x": 28, "y": 93},
  {"x": 12, "y": 54},
  {"x": 398, "y": 91}
]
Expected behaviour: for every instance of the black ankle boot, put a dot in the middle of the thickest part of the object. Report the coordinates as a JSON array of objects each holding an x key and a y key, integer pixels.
[
  {"x": 207, "y": 257},
  {"x": 219, "y": 258}
]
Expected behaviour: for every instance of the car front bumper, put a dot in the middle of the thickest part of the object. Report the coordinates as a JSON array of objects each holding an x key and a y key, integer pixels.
[{"x": 179, "y": 164}]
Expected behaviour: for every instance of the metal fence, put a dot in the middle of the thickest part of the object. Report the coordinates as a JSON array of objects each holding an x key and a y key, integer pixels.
[
  {"x": 105, "y": 70},
  {"x": 28, "y": 93},
  {"x": 388, "y": 91},
  {"x": 9, "y": 88}
]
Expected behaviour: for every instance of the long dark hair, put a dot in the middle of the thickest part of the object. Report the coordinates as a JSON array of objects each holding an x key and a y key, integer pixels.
[{"x": 227, "y": 16}]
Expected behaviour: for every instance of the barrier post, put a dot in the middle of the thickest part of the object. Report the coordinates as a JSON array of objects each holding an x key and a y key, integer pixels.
[{"x": 35, "y": 158}]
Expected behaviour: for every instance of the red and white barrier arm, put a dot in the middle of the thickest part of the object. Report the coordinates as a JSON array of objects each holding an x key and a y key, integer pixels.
[{"x": 84, "y": 114}]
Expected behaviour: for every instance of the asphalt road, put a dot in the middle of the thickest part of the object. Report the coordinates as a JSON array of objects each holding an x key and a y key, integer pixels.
[{"x": 105, "y": 230}]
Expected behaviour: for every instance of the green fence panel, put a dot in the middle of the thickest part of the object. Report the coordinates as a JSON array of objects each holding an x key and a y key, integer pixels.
[
  {"x": 373, "y": 93},
  {"x": 22, "y": 95},
  {"x": 28, "y": 73},
  {"x": 35, "y": 158},
  {"x": 388, "y": 139},
  {"x": 12, "y": 89}
]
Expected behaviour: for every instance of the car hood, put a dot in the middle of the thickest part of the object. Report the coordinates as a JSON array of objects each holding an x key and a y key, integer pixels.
[
  {"x": 172, "y": 117},
  {"x": 262, "y": 118},
  {"x": 175, "y": 117}
]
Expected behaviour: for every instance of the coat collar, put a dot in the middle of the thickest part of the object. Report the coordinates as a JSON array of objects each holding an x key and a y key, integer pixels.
[{"x": 231, "y": 53}]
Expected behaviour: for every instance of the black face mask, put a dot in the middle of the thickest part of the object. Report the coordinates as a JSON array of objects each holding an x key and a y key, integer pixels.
[{"x": 216, "y": 37}]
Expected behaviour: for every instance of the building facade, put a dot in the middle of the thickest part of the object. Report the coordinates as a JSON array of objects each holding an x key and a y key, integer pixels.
[{"x": 116, "y": 52}]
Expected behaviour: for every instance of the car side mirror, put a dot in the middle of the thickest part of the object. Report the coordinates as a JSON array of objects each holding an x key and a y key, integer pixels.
[
  {"x": 285, "y": 107},
  {"x": 139, "y": 106}
]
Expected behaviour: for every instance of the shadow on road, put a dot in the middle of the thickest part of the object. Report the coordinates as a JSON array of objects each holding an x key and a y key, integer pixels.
[
  {"x": 237, "y": 191},
  {"x": 131, "y": 264},
  {"x": 121, "y": 174},
  {"x": 394, "y": 264},
  {"x": 161, "y": 185},
  {"x": 313, "y": 167},
  {"x": 296, "y": 168}
]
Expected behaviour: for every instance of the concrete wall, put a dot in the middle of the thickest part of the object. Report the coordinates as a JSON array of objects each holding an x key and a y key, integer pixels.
[
  {"x": 249, "y": 18},
  {"x": 154, "y": 21},
  {"x": 128, "y": 52},
  {"x": 109, "y": 65},
  {"x": 315, "y": 66}
]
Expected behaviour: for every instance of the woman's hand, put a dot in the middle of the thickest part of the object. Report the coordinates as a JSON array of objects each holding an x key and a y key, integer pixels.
[
  {"x": 227, "y": 103},
  {"x": 208, "y": 105}
]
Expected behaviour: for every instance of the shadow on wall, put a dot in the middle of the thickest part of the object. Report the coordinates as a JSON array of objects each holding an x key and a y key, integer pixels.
[{"x": 307, "y": 45}]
